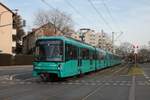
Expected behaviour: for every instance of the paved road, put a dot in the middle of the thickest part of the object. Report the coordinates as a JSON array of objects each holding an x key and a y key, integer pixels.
[
  {"x": 117, "y": 83},
  {"x": 21, "y": 72}
]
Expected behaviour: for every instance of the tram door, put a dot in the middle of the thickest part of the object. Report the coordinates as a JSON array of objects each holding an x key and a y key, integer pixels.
[{"x": 79, "y": 59}]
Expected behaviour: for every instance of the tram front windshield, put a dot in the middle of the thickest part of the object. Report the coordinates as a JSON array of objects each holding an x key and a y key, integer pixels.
[{"x": 49, "y": 50}]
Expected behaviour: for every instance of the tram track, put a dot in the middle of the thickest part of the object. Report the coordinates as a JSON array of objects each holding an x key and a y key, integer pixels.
[
  {"x": 101, "y": 86},
  {"x": 74, "y": 87},
  {"x": 59, "y": 88}
]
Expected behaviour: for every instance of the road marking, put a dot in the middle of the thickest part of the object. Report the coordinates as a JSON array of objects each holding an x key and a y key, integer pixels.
[
  {"x": 124, "y": 75},
  {"x": 12, "y": 82},
  {"x": 115, "y": 83},
  {"x": 76, "y": 83},
  {"x": 147, "y": 77},
  {"x": 93, "y": 83},
  {"x": 132, "y": 89},
  {"x": 15, "y": 67},
  {"x": 99, "y": 87},
  {"x": 21, "y": 82},
  {"x": 70, "y": 83},
  {"x": 141, "y": 83},
  {"x": 121, "y": 84},
  {"x": 84, "y": 98},
  {"x": 106, "y": 84},
  {"x": 3, "y": 82},
  {"x": 99, "y": 84},
  {"x": 29, "y": 82},
  {"x": 111, "y": 81},
  {"x": 86, "y": 83},
  {"x": 83, "y": 81},
  {"x": 128, "y": 84},
  {"x": 98, "y": 81}
]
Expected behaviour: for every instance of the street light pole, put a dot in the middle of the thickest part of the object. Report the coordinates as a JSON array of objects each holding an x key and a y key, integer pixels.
[
  {"x": 82, "y": 36},
  {"x": 82, "y": 33}
]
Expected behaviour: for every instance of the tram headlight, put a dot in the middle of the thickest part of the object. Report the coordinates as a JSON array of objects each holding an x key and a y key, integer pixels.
[{"x": 59, "y": 66}]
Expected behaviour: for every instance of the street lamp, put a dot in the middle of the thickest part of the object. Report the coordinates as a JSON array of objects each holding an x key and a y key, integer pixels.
[{"x": 83, "y": 31}]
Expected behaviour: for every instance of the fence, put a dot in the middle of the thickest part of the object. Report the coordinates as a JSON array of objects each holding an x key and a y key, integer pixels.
[{"x": 7, "y": 60}]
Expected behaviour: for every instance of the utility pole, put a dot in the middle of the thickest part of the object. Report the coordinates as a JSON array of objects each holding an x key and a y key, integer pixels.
[
  {"x": 113, "y": 51},
  {"x": 102, "y": 45},
  {"x": 135, "y": 54},
  {"x": 114, "y": 39}
]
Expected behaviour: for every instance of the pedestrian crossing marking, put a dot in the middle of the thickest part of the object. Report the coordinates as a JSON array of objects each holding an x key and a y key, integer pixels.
[{"x": 81, "y": 82}]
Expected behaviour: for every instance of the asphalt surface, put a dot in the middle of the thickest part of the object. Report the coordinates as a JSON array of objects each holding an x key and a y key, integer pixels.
[{"x": 116, "y": 83}]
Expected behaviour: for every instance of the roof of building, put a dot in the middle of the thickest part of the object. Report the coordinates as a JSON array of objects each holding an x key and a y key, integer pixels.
[
  {"x": 49, "y": 23},
  {"x": 7, "y": 8},
  {"x": 36, "y": 29}
]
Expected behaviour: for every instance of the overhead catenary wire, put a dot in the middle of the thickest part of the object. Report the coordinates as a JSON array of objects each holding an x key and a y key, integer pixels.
[
  {"x": 49, "y": 5},
  {"x": 76, "y": 11},
  {"x": 110, "y": 14},
  {"x": 100, "y": 15},
  {"x": 68, "y": 2}
]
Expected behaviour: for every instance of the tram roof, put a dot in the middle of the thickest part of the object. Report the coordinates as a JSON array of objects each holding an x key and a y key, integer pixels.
[{"x": 69, "y": 40}]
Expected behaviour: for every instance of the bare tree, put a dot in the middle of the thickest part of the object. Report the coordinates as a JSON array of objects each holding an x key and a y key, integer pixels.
[
  {"x": 144, "y": 55},
  {"x": 60, "y": 20},
  {"x": 125, "y": 50},
  {"x": 126, "y": 47},
  {"x": 18, "y": 25}
]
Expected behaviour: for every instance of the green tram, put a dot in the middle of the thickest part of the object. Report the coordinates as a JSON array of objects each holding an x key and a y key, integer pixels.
[{"x": 60, "y": 57}]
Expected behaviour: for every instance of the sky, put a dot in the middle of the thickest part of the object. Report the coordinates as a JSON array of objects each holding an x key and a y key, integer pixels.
[{"x": 131, "y": 17}]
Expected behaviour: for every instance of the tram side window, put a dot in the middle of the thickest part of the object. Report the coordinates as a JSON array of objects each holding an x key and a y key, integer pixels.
[
  {"x": 71, "y": 52},
  {"x": 92, "y": 55},
  {"x": 100, "y": 56},
  {"x": 95, "y": 56},
  {"x": 85, "y": 53}
]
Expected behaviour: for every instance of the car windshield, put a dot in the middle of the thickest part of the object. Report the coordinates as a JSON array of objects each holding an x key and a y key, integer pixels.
[{"x": 51, "y": 50}]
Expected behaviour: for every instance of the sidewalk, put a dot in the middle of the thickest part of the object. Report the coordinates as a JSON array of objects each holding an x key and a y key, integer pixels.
[{"x": 15, "y": 66}]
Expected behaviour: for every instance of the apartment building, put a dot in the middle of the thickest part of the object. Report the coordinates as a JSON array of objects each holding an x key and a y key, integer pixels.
[
  {"x": 88, "y": 36},
  {"x": 91, "y": 38},
  {"x": 7, "y": 32},
  {"x": 75, "y": 36},
  {"x": 104, "y": 41},
  {"x": 97, "y": 39}
]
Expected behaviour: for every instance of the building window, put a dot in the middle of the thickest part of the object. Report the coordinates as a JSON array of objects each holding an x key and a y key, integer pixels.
[{"x": 14, "y": 37}]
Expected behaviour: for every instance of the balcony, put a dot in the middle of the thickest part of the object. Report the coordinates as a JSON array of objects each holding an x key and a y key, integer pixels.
[{"x": 13, "y": 44}]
